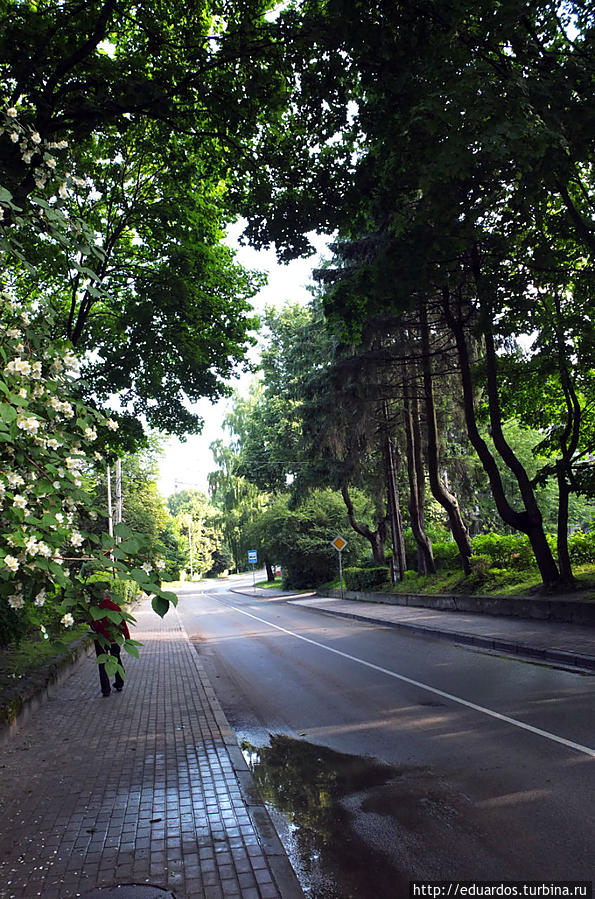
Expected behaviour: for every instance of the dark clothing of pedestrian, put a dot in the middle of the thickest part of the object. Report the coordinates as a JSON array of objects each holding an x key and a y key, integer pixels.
[
  {"x": 114, "y": 650},
  {"x": 109, "y": 630}
]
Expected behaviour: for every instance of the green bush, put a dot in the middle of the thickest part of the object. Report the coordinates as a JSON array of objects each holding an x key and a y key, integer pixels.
[
  {"x": 582, "y": 548},
  {"x": 446, "y": 555},
  {"x": 14, "y": 624},
  {"x": 512, "y": 551},
  {"x": 299, "y": 538},
  {"x": 480, "y": 567},
  {"x": 364, "y": 578},
  {"x": 121, "y": 591}
]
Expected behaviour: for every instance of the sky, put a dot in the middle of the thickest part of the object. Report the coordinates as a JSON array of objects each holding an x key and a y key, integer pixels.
[{"x": 185, "y": 465}]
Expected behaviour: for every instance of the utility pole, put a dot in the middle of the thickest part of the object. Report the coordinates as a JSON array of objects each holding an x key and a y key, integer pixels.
[
  {"x": 110, "y": 517},
  {"x": 191, "y": 551},
  {"x": 118, "y": 494}
]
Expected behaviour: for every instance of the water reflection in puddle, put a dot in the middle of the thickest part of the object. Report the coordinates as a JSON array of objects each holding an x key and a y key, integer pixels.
[{"x": 308, "y": 786}]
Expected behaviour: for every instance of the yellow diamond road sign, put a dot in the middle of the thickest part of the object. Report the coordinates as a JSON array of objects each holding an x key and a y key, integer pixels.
[{"x": 339, "y": 543}]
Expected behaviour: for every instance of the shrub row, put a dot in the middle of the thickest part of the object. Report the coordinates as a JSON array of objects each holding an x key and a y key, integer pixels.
[
  {"x": 512, "y": 551},
  {"x": 364, "y": 578}
]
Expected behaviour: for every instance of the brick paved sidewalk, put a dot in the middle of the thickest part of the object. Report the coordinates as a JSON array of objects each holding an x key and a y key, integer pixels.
[{"x": 147, "y": 786}]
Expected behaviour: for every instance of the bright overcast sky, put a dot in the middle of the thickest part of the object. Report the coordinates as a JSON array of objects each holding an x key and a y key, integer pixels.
[{"x": 189, "y": 463}]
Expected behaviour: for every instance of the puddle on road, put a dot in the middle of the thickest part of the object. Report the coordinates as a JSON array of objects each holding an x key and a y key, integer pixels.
[{"x": 309, "y": 785}]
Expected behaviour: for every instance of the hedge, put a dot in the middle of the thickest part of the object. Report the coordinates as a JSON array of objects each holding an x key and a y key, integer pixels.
[{"x": 364, "y": 578}]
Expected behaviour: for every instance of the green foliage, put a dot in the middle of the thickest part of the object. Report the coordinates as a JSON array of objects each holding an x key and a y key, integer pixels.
[
  {"x": 14, "y": 624},
  {"x": 504, "y": 550},
  {"x": 365, "y": 578},
  {"x": 50, "y": 439},
  {"x": 199, "y": 532},
  {"x": 446, "y": 555},
  {"x": 582, "y": 548},
  {"x": 299, "y": 539}
]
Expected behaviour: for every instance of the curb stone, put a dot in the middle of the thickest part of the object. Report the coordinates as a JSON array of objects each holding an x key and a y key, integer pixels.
[
  {"x": 567, "y": 610},
  {"x": 554, "y": 656},
  {"x": 280, "y": 866},
  {"x": 19, "y": 702}
]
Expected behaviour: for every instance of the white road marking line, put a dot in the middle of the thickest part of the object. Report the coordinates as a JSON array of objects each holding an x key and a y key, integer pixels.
[{"x": 415, "y": 683}]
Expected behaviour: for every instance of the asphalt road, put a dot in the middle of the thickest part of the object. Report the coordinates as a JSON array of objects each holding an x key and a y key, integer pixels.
[{"x": 423, "y": 759}]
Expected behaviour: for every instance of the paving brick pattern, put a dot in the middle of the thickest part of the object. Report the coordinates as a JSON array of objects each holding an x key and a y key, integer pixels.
[{"x": 139, "y": 787}]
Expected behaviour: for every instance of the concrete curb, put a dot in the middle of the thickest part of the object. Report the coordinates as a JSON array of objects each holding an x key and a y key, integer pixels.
[
  {"x": 563, "y": 610},
  {"x": 19, "y": 702},
  {"x": 554, "y": 656}
]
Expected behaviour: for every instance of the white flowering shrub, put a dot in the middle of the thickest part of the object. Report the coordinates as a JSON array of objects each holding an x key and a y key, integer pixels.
[{"x": 51, "y": 443}]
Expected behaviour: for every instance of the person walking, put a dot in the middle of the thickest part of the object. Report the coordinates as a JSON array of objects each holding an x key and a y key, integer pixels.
[{"x": 109, "y": 630}]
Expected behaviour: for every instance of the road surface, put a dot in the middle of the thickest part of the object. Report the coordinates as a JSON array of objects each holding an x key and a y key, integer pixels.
[{"x": 397, "y": 757}]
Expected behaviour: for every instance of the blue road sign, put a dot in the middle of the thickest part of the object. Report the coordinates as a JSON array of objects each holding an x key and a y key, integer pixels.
[{"x": 252, "y": 557}]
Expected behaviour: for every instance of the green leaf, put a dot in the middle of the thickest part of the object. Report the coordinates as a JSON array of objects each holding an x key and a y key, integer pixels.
[
  {"x": 131, "y": 649},
  {"x": 111, "y": 666},
  {"x": 160, "y": 605},
  {"x": 141, "y": 577},
  {"x": 129, "y": 546},
  {"x": 7, "y": 413},
  {"x": 112, "y": 615},
  {"x": 169, "y": 596},
  {"x": 122, "y": 530}
]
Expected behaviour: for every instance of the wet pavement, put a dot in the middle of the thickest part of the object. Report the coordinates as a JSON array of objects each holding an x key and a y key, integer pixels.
[
  {"x": 314, "y": 788},
  {"x": 556, "y": 643},
  {"x": 147, "y": 788}
]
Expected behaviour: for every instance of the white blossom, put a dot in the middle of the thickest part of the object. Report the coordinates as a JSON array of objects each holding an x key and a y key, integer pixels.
[
  {"x": 31, "y": 545},
  {"x": 19, "y": 502},
  {"x": 111, "y": 424},
  {"x": 11, "y": 112},
  {"x": 36, "y": 138},
  {"x": 40, "y": 598},
  {"x": 67, "y": 620},
  {"x": 28, "y": 424},
  {"x": 16, "y": 601},
  {"x": 147, "y": 567},
  {"x": 12, "y": 563}
]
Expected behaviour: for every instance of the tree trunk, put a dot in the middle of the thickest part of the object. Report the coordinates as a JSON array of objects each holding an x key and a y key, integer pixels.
[
  {"x": 531, "y": 525},
  {"x": 425, "y": 556},
  {"x": 399, "y": 560},
  {"x": 569, "y": 441},
  {"x": 439, "y": 489},
  {"x": 376, "y": 538},
  {"x": 270, "y": 572}
]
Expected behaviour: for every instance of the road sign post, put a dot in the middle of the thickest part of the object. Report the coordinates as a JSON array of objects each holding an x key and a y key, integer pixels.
[
  {"x": 253, "y": 559},
  {"x": 339, "y": 544}
]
